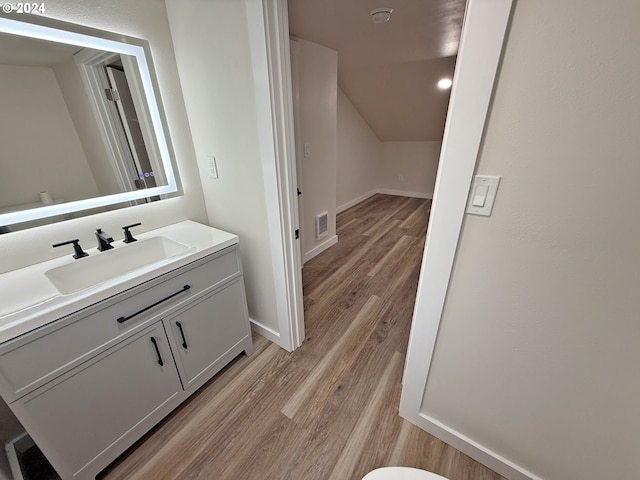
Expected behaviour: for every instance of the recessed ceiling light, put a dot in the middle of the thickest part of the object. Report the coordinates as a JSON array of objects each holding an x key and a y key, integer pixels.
[
  {"x": 381, "y": 15},
  {"x": 444, "y": 83}
]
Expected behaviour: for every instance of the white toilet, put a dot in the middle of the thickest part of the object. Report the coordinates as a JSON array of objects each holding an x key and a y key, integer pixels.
[{"x": 401, "y": 473}]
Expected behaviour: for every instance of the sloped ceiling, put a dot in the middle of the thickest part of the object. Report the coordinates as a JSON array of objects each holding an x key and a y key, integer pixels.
[{"x": 389, "y": 71}]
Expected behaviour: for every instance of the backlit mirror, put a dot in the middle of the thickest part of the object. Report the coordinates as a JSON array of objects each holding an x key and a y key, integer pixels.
[{"x": 80, "y": 127}]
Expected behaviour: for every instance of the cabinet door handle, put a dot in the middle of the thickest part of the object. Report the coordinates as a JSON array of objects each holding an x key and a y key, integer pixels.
[
  {"x": 184, "y": 340},
  {"x": 124, "y": 319},
  {"x": 155, "y": 344}
]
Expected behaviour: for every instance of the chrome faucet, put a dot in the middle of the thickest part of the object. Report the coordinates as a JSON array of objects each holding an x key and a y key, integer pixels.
[{"x": 104, "y": 239}]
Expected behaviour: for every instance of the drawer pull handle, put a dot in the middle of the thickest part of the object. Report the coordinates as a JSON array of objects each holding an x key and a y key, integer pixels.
[
  {"x": 184, "y": 340},
  {"x": 124, "y": 319},
  {"x": 155, "y": 344}
]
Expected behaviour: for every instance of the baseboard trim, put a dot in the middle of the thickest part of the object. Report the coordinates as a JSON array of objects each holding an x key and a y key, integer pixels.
[
  {"x": 330, "y": 242},
  {"x": 473, "y": 449},
  {"x": 384, "y": 191},
  {"x": 355, "y": 201},
  {"x": 266, "y": 332},
  {"x": 402, "y": 193}
]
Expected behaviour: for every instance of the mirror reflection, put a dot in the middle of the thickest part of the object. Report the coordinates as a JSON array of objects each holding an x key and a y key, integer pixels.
[{"x": 76, "y": 124}]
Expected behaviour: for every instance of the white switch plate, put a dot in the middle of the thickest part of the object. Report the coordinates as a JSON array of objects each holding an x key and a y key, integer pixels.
[
  {"x": 482, "y": 194},
  {"x": 213, "y": 167},
  {"x": 307, "y": 150}
]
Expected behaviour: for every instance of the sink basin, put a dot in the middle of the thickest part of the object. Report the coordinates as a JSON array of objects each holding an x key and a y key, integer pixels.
[{"x": 103, "y": 266}]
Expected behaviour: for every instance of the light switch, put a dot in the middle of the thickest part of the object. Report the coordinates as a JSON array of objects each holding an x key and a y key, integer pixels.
[
  {"x": 307, "y": 150},
  {"x": 482, "y": 194}
]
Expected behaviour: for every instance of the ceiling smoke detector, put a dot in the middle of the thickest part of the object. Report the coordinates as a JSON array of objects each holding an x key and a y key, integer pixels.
[{"x": 381, "y": 15}]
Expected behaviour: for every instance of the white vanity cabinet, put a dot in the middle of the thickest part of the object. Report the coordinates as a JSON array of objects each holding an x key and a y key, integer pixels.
[
  {"x": 104, "y": 400},
  {"x": 199, "y": 344},
  {"x": 88, "y": 385}
]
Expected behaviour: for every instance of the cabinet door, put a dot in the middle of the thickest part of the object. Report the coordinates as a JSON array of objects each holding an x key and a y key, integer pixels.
[
  {"x": 98, "y": 409},
  {"x": 210, "y": 328}
]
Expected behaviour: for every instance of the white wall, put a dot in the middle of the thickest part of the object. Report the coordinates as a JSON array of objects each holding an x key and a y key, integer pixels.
[
  {"x": 359, "y": 156},
  {"x": 317, "y": 74},
  {"x": 409, "y": 168},
  {"x": 363, "y": 165},
  {"x": 35, "y": 118},
  {"x": 366, "y": 166},
  {"x": 537, "y": 353},
  {"x": 211, "y": 40},
  {"x": 145, "y": 19}
]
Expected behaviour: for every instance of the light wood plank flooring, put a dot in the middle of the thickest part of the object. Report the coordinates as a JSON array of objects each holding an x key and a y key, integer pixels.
[{"x": 329, "y": 410}]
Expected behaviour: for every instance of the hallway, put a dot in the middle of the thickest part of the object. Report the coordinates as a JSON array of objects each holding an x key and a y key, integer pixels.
[{"x": 328, "y": 411}]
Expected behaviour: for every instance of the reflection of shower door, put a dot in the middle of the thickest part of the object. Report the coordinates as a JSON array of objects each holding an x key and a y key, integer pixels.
[{"x": 126, "y": 109}]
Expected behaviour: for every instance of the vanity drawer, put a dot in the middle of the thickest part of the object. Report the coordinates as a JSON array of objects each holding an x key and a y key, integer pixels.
[{"x": 39, "y": 356}]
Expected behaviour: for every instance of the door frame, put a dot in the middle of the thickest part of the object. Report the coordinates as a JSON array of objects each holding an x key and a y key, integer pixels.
[
  {"x": 482, "y": 39},
  {"x": 91, "y": 65},
  {"x": 268, "y": 25}
]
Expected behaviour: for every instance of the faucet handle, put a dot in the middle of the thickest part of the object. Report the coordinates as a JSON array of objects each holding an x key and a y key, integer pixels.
[
  {"x": 128, "y": 238},
  {"x": 79, "y": 253}
]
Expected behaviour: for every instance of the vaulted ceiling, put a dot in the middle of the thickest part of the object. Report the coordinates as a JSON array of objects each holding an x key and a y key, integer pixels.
[{"x": 389, "y": 71}]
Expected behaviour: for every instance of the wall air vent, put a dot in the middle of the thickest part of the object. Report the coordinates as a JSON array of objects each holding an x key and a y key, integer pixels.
[{"x": 322, "y": 225}]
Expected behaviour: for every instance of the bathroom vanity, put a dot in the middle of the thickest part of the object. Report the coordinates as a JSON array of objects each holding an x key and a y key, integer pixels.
[{"x": 106, "y": 346}]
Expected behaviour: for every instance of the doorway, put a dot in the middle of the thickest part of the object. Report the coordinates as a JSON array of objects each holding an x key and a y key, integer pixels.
[
  {"x": 486, "y": 26},
  {"x": 117, "y": 97},
  {"x": 375, "y": 136}
]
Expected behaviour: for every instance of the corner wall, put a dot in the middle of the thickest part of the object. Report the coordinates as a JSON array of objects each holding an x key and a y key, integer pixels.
[
  {"x": 409, "y": 168},
  {"x": 359, "y": 156},
  {"x": 366, "y": 166},
  {"x": 213, "y": 52}
]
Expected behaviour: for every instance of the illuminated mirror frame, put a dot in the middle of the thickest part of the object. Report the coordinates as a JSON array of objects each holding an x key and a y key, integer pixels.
[{"x": 80, "y": 40}]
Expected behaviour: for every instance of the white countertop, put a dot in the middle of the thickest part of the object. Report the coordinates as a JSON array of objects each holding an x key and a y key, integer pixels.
[{"x": 28, "y": 300}]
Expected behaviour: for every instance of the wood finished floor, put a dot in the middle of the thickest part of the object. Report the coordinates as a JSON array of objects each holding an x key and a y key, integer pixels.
[{"x": 329, "y": 410}]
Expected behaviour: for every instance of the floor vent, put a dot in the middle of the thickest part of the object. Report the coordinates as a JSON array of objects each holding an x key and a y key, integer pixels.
[{"x": 322, "y": 225}]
